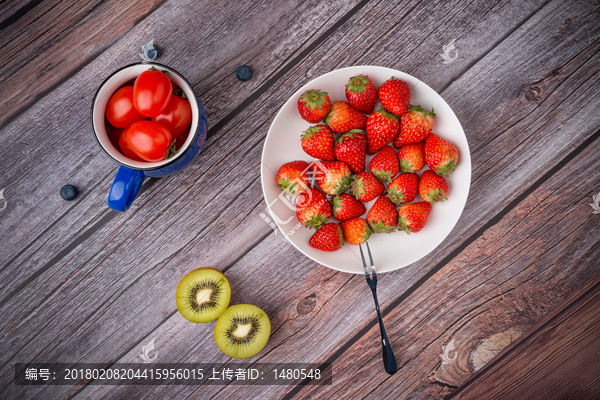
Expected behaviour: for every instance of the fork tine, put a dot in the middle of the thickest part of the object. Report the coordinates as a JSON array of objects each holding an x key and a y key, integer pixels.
[
  {"x": 371, "y": 259},
  {"x": 363, "y": 260}
]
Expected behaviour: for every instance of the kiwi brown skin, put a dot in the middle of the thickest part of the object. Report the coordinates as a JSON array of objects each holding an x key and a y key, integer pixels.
[{"x": 198, "y": 269}]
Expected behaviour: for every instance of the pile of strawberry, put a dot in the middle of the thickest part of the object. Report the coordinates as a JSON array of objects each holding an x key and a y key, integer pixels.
[{"x": 341, "y": 163}]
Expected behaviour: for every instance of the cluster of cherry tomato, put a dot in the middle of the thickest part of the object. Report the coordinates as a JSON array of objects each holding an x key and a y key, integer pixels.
[{"x": 150, "y": 119}]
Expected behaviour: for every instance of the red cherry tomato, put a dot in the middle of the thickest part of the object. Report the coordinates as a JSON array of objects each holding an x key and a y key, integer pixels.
[
  {"x": 149, "y": 140},
  {"x": 126, "y": 150},
  {"x": 114, "y": 136},
  {"x": 152, "y": 92},
  {"x": 177, "y": 116},
  {"x": 120, "y": 110},
  {"x": 181, "y": 139}
]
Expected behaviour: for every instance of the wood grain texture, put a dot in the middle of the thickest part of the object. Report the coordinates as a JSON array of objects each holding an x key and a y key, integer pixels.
[
  {"x": 343, "y": 307},
  {"x": 87, "y": 302},
  {"x": 506, "y": 281},
  {"x": 83, "y": 163},
  {"x": 556, "y": 359},
  {"x": 45, "y": 42}
]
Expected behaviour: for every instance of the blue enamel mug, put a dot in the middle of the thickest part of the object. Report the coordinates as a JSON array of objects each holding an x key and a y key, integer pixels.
[{"x": 131, "y": 173}]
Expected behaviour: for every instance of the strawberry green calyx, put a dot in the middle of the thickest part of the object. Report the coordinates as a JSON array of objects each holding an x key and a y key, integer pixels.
[
  {"x": 287, "y": 186},
  {"x": 367, "y": 234},
  {"x": 314, "y": 99},
  {"x": 382, "y": 175},
  {"x": 350, "y": 134},
  {"x": 328, "y": 117},
  {"x": 316, "y": 221},
  {"x": 358, "y": 187},
  {"x": 337, "y": 205},
  {"x": 403, "y": 226},
  {"x": 385, "y": 113},
  {"x": 447, "y": 168},
  {"x": 381, "y": 227},
  {"x": 395, "y": 195},
  {"x": 307, "y": 134},
  {"x": 406, "y": 167},
  {"x": 435, "y": 195},
  {"x": 419, "y": 109},
  {"x": 357, "y": 84},
  {"x": 342, "y": 186}
]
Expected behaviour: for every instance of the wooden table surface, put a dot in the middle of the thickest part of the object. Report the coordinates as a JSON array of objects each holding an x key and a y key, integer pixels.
[{"x": 82, "y": 283}]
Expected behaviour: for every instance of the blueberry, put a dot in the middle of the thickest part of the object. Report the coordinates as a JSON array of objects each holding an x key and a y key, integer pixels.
[
  {"x": 68, "y": 192},
  {"x": 151, "y": 52},
  {"x": 243, "y": 73}
]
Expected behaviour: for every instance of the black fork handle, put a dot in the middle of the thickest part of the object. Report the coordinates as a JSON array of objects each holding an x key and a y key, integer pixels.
[{"x": 389, "y": 361}]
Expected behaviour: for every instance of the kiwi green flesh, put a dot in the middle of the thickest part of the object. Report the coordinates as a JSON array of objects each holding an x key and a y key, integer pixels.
[
  {"x": 242, "y": 331},
  {"x": 203, "y": 295}
]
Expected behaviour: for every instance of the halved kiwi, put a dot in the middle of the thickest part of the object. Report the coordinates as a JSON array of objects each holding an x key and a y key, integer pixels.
[
  {"x": 203, "y": 295},
  {"x": 242, "y": 331}
]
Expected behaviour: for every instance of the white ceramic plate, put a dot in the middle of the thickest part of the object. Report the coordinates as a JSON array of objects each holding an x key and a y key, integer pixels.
[{"x": 390, "y": 251}]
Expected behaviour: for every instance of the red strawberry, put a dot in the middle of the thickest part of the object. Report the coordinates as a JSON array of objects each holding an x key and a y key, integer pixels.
[
  {"x": 314, "y": 105},
  {"x": 398, "y": 142},
  {"x": 441, "y": 156},
  {"x": 432, "y": 187},
  {"x": 415, "y": 125},
  {"x": 347, "y": 207},
  {"x": 343, "y": 118},
  {"x": 382, "y": 215},
  {"x": 385, "y": 165},
  {"x": 361, "y": 93},
  {"x": 292, "y": 177},
  {"x": 394, "y": 95},
  {"x": 412, "y": 157},
  {"x": 356, "y": 231},
  {"x": 313, "y": 209},
  {"x": 333, "y": 177},
  {"x": 382, "y": 128},
  {"x": 317, "y": 141},
  {"x": 365, "y": 187},
  {"x": 328, "y": 238},
  {"x": 351, "y": 148},
  {"x": 413, "y": 217},
  {"x": 404, "y": 188}
]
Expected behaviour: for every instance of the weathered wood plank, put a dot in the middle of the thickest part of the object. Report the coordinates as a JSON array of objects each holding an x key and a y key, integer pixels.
[
  {"x": 83, "y": 163},
  {"x": 42, "y": 44},
  {"x": 557, "y": 358},
  {"x": 132, "y": 333},
  {"x": 335, "y": 306},
  {"x": 498, "y": 288}
]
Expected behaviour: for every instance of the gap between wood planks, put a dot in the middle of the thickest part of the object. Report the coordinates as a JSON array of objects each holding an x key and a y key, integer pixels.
[{"x": 19, "y": 13}]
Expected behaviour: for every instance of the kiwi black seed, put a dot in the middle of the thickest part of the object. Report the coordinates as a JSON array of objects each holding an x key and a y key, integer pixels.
[
  {"x": 242, "y": 331},
  {"x": 203, "y": 295}
]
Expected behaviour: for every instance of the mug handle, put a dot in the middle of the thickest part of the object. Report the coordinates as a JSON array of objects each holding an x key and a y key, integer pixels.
[{"x": 125, "y": 188}]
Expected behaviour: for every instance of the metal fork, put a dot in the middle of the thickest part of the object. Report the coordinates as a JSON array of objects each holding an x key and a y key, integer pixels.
[{"x": 389, "y": 361}]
